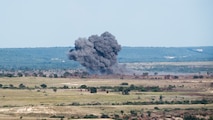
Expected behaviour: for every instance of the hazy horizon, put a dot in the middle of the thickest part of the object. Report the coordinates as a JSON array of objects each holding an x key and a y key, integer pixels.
[
  {"x": 138, "y": 23},
  {"x": 121, "y": 46}
]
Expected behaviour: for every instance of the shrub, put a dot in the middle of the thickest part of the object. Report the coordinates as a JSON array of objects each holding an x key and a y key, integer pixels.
[
  {"x": 22, "y": 86},
  {"x": 11, "y": 85},
  {"x": 75, "y": 104},
  {"x": 197, "y": 77},
  {"x": 55, "y": 76},
  {"x": 43, "y": 85},
  {"x": 211, "y": 118},
  {"x": 149, "y": 113},
  {"x": 93, "y": 90},
  {"x": 143, "y": 89},
  {"x": 161, "y": 98},
  {"x": 203, "y": 101},
  {"x": 65, "y": 87},
  {"x": 83, "y": 87},
  {"x": 104, "y": 116},
  {"x": 1, "y": 75},
  {"x": 155, "y": 89},
  {"x": 116, "y": 116},
  {"x": 177, "y": 109},
  {"x": 124, "y": 83},
  {"x": 125, "y": 92},
  {"x": 35, "y": 75},
  {"x": 133, "y": 112},
  {"x": 9, "y": 75},
  {"x": 189, "y": 108},
  {"x": 19, "y": 74},
  {"x": 104, "y": 88},
  {"x": 132, "y": 87},
  {"x": 57, "y": 116},
  {"x": 67, "y": 74},
  {"x": 190, "y": 117},
  {"x": 176, "y": 77},
  {"x": 55, "y": 89},
  {"x": 90, "y": 116},
  {"x": 170, "y": 87},
  {"x": 122, "y": 112}
]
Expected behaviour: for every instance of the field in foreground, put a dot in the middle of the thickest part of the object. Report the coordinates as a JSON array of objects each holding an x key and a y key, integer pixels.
[{"x": 26, "y": 98}]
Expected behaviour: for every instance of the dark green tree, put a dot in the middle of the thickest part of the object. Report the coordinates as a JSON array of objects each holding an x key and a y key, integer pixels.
[
  {"x": 83, "y": 87},
  {"x": 161, "y": 98},
  {"x": 93, "y": 90},
  {"x": 189, "y": 117},
  {"x": 20, "y": 74},
  {"x": 11, "y": 85},
  {"x": 149, "y": 113},
  {"x": 55, "y": 76},
  {"x": 122, "y": 112},
  {"x": 125, "y": 92},
  {"x": 22, "y": 86},
  {"x": 43, "y": 85},
  {"x": 124, "y": 83},
  {"x": 65, "y": 87}
]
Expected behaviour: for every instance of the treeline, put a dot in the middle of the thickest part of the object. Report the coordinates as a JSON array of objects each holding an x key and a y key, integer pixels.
[
  {"x": 125, "y": 88},
  {"x": 83, "y": 74},
  {"x": 203, "y": 101},
  {"x": 49, "y": 73}
]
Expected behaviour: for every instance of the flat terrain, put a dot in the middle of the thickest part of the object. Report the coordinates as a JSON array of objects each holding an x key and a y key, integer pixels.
[{"x": 35, "y": 102}]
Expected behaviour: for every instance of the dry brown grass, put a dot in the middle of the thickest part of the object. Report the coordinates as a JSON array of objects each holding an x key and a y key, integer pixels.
[{"x": 44, "y": 103}]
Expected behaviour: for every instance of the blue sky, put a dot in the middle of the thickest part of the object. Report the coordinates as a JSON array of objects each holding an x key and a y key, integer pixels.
[{"x": 152, "y": 23}]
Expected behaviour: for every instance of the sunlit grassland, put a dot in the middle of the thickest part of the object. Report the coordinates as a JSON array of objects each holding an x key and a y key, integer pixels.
[
  {"x": 31, "y": 82},
  {"x": 48, "y": 96},
  {"x": 66, "y": 97},
  {"x": 79, "y": 102}
]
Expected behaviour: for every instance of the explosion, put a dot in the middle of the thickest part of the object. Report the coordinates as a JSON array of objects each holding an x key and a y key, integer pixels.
[{"x": 98, "y": 54}]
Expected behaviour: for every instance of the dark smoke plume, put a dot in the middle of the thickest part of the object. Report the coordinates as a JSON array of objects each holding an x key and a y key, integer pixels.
[{"x": 97, "y": 53}]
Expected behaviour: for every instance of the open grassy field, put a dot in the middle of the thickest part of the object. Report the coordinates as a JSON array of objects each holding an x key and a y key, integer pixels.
[{"x": 35, "y": 102}]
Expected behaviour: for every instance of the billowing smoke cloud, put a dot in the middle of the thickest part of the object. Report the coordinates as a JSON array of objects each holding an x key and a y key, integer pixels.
[{"x": 97, "y": 53}]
